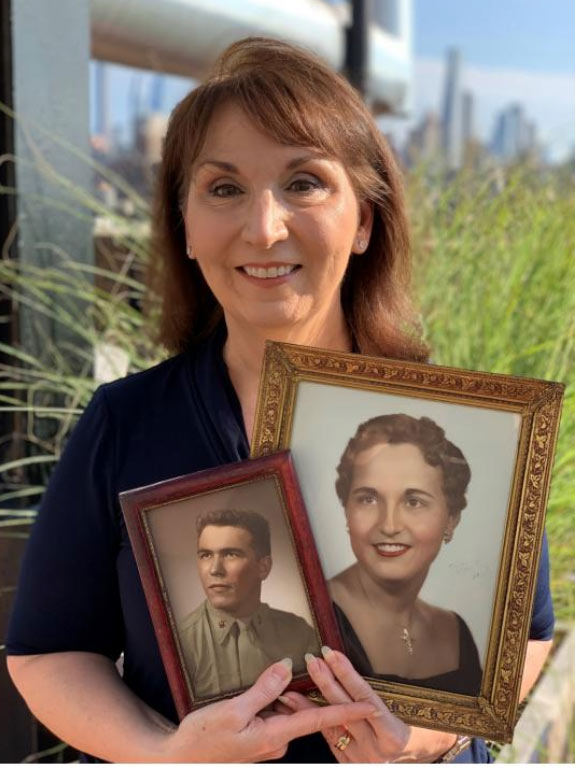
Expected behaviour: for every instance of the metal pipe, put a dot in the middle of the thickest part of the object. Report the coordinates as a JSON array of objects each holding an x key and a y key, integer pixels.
[
  {"x": 185, "y": 36},
  {"x": 357, "y": 46}
]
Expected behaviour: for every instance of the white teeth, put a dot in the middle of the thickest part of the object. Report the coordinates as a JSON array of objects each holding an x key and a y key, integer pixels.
[
  {"x": 391, "y": 547},
  {"x": 269, "y": 272}
]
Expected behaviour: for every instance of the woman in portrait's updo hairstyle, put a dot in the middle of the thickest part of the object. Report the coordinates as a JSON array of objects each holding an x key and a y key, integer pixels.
[
  {"x": 430, "y": 438},
  {"x": 279, "y": 215}
]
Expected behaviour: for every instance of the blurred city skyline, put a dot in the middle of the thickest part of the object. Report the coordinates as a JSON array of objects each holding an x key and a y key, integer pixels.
[{"x": 514, "y": 55}]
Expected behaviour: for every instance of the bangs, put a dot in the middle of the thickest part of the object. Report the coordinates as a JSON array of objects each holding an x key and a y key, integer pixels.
[
  {"x": 291, "y": 115},
  {"x": 293, "y": 111}
]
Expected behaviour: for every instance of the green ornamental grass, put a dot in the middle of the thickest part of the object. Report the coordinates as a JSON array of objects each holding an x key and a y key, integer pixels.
[{"x": 494, "y": 277}]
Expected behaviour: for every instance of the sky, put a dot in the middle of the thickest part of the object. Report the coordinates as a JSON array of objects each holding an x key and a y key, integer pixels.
[
  {"x": 512, "y": 50},
  {"x": 530, "y": 35}
]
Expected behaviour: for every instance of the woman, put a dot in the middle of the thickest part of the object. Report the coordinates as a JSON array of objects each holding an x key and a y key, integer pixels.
[
  {"x": 403, "y": 486},
  {"x": 279, "y": 215}
]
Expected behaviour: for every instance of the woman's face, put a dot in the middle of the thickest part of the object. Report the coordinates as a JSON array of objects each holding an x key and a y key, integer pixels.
[
  {"x": 271, "y": 226},
  {"x": 396, "y": 512}
]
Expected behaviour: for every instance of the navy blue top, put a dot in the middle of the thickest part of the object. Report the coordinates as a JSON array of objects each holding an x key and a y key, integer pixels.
[{"x": 79, "y": 587}]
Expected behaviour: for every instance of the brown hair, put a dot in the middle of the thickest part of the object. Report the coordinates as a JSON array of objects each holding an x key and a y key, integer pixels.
[
  {"x": 253, "y": 522},
  {"x": 297, "y": 99},
  {"x": 424, "y": 433}
]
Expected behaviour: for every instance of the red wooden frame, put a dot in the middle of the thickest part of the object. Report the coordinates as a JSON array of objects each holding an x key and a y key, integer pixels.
[{"x": 137, "y": 502}]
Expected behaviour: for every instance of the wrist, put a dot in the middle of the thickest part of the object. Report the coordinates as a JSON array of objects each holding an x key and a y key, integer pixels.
[
  {"x": 161, "y": 742},
  {"x": 446, "y": 744},
  {"x": 462, "y": 743},
  {"x": 168, "y": 749},
  {"x": 426, "y": 746}
]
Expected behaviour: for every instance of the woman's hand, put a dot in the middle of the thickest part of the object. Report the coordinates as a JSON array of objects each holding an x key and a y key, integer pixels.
[
  {"x": 382, "y": 737},
  {"x": 233, "y": 730}
]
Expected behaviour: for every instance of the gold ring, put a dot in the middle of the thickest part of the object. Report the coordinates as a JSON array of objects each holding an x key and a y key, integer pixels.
[{"x": 343, "y": 741}]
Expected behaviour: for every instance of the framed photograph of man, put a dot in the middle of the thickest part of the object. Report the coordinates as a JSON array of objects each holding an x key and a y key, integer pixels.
[
  {"x": 426, "y": 490},
  {"x": 231, "y": 577}
]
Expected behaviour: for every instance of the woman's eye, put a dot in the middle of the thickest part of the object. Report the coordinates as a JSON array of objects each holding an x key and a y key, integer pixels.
[
  {"x": 304, "y": 185},
  {"x": 365, "y": 499},
  {"x": 415, "y": 502},
  {"x": 225, "y": 190}
]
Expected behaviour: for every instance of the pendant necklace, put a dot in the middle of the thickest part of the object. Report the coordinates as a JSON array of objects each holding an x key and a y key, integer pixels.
[{"x": 406, "y": 638}]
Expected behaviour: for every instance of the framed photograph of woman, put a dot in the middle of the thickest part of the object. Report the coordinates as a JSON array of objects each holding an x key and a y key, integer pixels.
[
  {"x": 230, "y": 575},
  {"x": 426, "y": 490}
]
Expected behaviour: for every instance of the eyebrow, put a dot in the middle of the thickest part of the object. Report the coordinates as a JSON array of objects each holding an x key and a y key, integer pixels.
[
  {"x": 231, "y": 168},
  {"x": 365, "y": 489},
  {"x": 224, "y": 551},
  {"x": 407, "y": 492},
  {"x": 302, "y": 159}
]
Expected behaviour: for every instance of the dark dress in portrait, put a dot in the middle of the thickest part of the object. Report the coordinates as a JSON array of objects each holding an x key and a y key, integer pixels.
[
  {"x": 79, "y": 588},
  {"x": 466, "y": 678}
]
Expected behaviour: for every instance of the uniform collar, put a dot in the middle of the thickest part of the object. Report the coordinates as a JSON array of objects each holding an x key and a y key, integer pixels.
[{"x": 222, "y": 623}]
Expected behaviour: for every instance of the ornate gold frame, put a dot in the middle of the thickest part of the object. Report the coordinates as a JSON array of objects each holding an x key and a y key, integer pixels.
[{"x": 493, "y": 713}]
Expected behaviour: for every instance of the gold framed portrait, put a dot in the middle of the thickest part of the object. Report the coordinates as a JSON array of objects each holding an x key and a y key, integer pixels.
[{"x": 426, "y": 490}]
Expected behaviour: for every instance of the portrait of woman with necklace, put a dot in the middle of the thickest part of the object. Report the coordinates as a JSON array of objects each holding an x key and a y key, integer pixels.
[{"x": 403, "y": 486}]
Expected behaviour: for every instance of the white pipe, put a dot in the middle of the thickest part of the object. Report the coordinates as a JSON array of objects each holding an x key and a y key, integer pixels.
[{"x": 185, "y": 36}]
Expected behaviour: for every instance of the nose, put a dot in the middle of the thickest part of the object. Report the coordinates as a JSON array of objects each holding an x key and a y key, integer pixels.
[
  {"x": 217, "y": 566},
  {"x": 390, "y": 522},
  {"x": 265, "y": 224}
]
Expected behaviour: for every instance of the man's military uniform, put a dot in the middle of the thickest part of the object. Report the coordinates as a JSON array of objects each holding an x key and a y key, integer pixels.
[{"x": 225, "y": 654}]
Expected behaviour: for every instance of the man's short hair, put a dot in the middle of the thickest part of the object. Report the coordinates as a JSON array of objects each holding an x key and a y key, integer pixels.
[{"x": 251, "y": 521}]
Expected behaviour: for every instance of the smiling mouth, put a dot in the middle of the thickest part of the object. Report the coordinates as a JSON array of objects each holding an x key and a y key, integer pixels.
[
  {"x": 268, "y": 273},
  {"x": 391, "y": 550}
]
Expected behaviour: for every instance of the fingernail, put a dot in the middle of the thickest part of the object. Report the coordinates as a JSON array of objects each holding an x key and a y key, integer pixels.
[
  {"x": 287, "y": 669},
  {"x": 376, "y": 713},
  {"x": 311, "y": 661},
  {"x": 326, "y": 650},
  {"x": 285, "y": 700}
]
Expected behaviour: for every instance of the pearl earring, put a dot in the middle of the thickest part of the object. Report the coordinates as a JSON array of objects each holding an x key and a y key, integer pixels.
[
  {"x": 190, "y": 252},
  {"x": 361, "y": 243}
]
